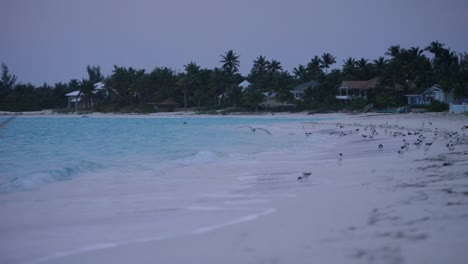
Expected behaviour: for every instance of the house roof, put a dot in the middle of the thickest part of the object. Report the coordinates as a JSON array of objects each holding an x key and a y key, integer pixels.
[
  {"x": 244, "y": 84},
  {"x": 302, "y": 87},
  {"x": 74, "y": 93},
  {"x": 435, "y": 88},
  {"x": 361, "y": 85},
  {"x": 99, "y": 86}
]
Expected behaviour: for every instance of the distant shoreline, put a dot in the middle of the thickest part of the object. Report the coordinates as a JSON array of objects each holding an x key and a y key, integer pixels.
[{"x": 51, "y": 113}]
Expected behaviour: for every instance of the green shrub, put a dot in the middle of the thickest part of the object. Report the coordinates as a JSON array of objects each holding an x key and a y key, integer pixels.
[
  {"x": 144, "y": 109},
  {"x": 358, "y": 104},
  {"x": 437, "y": 106}
]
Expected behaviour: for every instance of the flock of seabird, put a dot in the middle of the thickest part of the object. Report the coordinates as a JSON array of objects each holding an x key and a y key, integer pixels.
[
  {"x": 370, "y": 132},
  {"x": 410, "y": 137}
]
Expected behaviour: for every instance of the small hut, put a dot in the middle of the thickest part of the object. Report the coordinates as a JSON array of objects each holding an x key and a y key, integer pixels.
[{"x": 167, "y": 105}]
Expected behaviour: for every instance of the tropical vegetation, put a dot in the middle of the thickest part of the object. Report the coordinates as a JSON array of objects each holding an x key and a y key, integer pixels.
[{"x": 128, "y": 89}]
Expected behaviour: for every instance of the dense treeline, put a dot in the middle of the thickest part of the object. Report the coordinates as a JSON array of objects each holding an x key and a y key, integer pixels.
[{"x": 129, "y": 89}]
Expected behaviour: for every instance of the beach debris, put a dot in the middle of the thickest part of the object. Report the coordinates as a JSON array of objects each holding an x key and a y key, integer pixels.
[{"x": 253, "y": 129}]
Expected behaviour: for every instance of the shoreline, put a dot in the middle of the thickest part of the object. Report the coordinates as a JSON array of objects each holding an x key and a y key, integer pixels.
[{"x": 376, "y": 207}]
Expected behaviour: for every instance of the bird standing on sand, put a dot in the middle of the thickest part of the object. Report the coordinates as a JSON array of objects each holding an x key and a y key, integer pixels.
[
  {"x": 400, "y": 153},
  {"x": 380, "y": 147},
  {"x": 253, "y": 129},
  {"x": 428, "y": 145},
  {"x": 340, "y": 158}
]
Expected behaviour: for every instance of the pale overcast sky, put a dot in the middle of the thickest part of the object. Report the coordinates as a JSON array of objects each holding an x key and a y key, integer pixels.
[{"x": 54, "y": 40}]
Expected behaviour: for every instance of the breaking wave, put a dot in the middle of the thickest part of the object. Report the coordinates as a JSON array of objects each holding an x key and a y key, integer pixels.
[{"x": 38, "y": 178}]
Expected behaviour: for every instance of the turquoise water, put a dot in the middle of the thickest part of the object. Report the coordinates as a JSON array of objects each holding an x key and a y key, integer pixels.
[{"x": 35, "y": 151}]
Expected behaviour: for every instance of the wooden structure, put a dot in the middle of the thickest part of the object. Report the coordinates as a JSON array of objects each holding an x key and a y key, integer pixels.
[
  {"x": 349, "y": 90},
  {"x": 168, "y": 105}
]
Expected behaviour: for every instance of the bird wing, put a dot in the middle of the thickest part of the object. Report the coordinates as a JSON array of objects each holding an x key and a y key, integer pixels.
[{"x": 266, "y": 131}]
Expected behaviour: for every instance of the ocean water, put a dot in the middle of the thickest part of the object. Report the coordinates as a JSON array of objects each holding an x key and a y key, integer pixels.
[{"x": 35, "y": 151}]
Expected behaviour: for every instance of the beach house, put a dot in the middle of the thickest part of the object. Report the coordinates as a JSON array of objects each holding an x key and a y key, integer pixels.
[
  {"x": 298, "y": 91},
  {"x": 168, "y": 105},
  {"x": 350, "y": 90},
  {"x": 76, "y": 100},
  {"x": 433, "y": 93}
]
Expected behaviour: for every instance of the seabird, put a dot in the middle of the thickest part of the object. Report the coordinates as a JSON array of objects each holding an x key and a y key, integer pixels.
[
  {"x": 253, "y": 129},
  {"x": 400, "y": 153},
  {"x": 304, "y": 177}
]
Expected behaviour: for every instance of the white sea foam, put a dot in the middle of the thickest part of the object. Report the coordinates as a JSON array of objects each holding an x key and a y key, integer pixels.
[
  {"x": 31, "y": 180},
  {"x": 200, "y": 157},
  {"x": 242, "y": 219}
]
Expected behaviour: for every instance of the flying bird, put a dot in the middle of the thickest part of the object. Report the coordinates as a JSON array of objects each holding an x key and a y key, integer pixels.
[
  {"x": 305, "y": 176},
  {"x": 253, "y": 129}
]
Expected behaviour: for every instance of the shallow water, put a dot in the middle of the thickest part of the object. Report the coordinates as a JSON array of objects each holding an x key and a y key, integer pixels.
[
  {"x": 85, "y": 184},
  {"x": 39, "y": 150}
]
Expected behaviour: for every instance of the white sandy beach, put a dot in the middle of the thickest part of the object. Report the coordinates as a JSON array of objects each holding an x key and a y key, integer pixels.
[{"x": 371, "y": 207}]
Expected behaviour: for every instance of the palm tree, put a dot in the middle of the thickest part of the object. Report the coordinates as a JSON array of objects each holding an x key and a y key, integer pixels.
[
  {"x": 274, "y": 67},
  {"x": 415, "y": 52},
  {"x": 7, "y": 82},
  {"x": 314, "y": 69},
  {"x": 218, "y": 85},
  {"x": 364, "y": 68},
  {"x": 86, "y": 90},
  {"x": 393, "y": 51},
  {"x": 230, "y": 62},
  {"x": 230, "y": 66},
  {"x": 349, "y": 68},
  {"x": 300, "y": 73},
  {"x": 190, "y": 79},
  {"x": 259, "y": 73},
  {"x": 260, "y": 65},
  {"x": 447, "y": 70},
  {"x": 121, "y": 80},
  {"x": 380, "y": 64},
  {"x": 163, "y": 81},
  {"x": 94, "y": 74},
  {"x": 435, "y": 48},
  {"x": 327, "y": 60}
]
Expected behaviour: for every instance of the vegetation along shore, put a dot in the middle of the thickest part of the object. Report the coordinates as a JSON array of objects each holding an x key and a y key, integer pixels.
[{"x": 428, "y": 78}]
